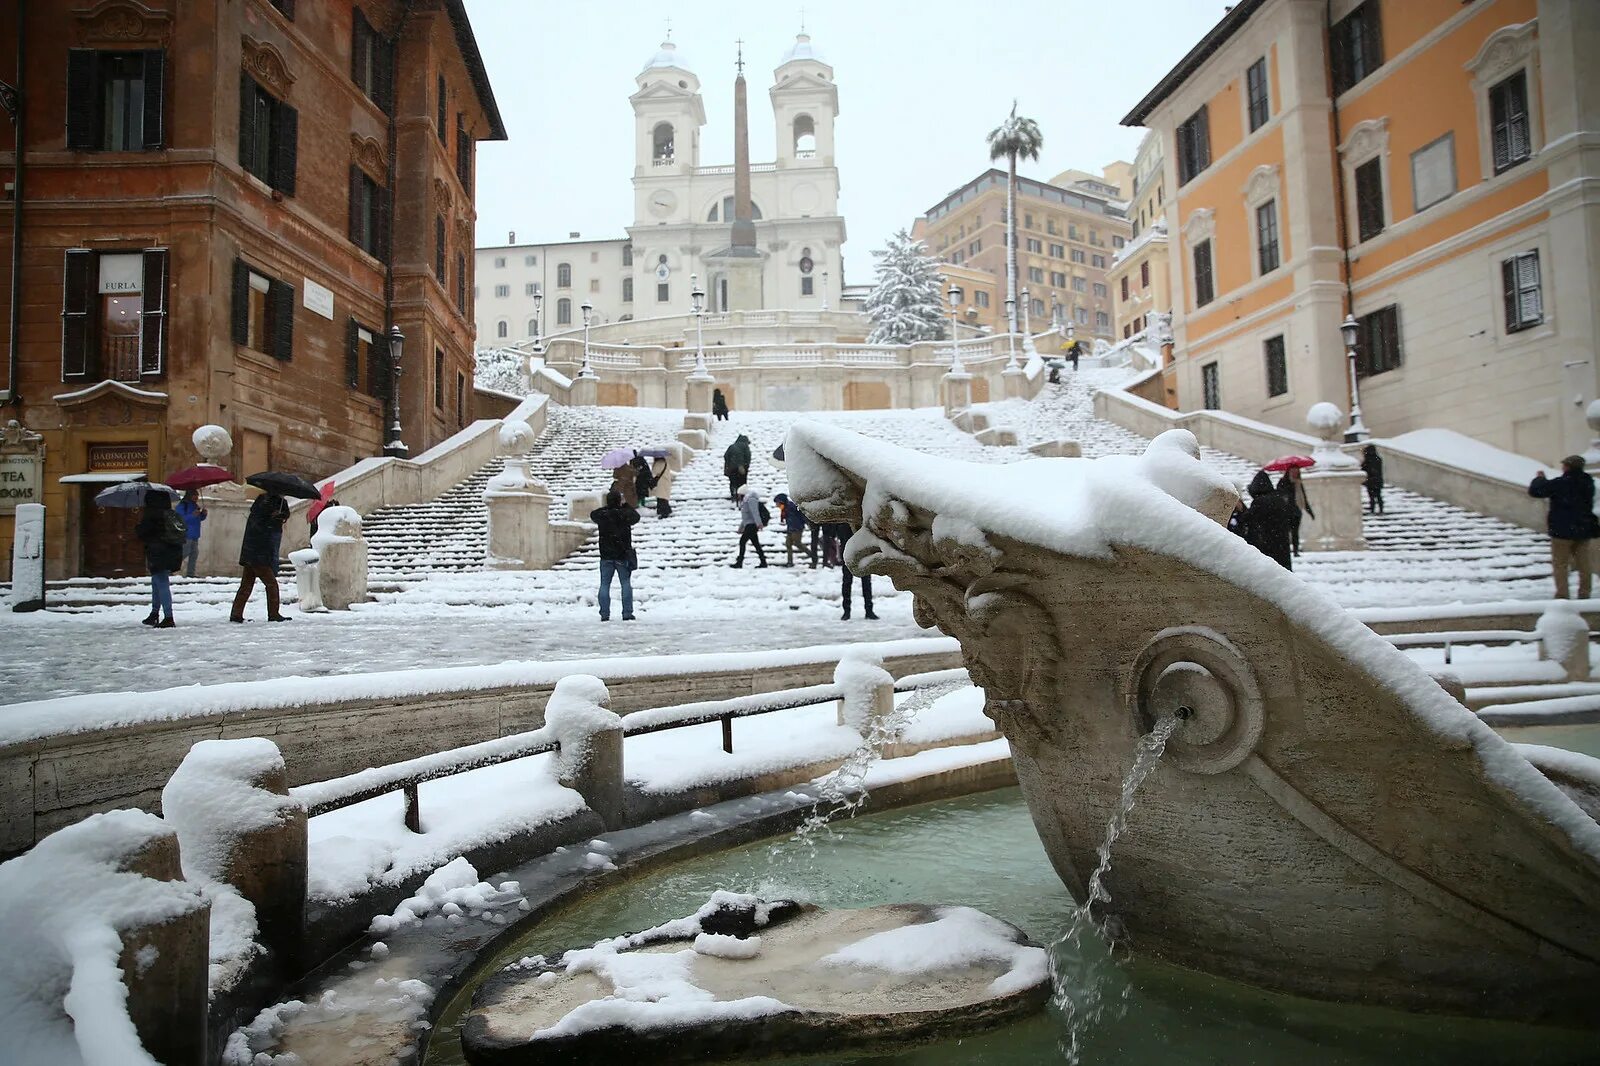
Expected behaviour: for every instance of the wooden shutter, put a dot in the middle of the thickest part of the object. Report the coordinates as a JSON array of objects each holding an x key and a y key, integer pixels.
[
  {"x": 439, "y": 249},
  {"x": 83, "y": 99},
  {"x": 357, "y": 215},
  {"x": 285, "y": 146},
  {"x": 360, "y": 47},
  {"x": 155, "y": 74},
  {"x": 247, "y": 123},
  {"x": 383, "y": 50},
  {"x": 241, "y": 302},
  {"x": 1530, "y": 304},
  {"x": 280, "y": 319},
  {"x": 352, "y": 354},
  {"x": 153, "y": 319},
  {"x": 1202, "y": 135},
  {"x": 77, "y": 296},
  {"x": 443, "y": 133},
  {"x": 378, "y": 366}
]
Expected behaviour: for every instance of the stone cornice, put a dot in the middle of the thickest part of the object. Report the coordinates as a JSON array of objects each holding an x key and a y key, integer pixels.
[
  {"x": 124, "y": 22},
  {"x": 266, "y": 64}
]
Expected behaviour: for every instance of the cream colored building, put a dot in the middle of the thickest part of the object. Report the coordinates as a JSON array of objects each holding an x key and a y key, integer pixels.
[
  {"x": 568, "y": 273},
  {"x": 1138, "y": 277}
]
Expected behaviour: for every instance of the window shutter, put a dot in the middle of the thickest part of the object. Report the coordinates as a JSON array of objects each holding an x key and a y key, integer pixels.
[
  {"x": 75, "y": 356},
  {"x": 155, "y": 71},
  {"x": 83, "y": 99},
  {"x": 383, "y": 50},
  {"x": 1203, "y": 136},
  {"x": 247, "y": 122},
  {"x": 285, "y": 147},
  {"x": 1530, "y": 301},
  {"x": 241, "y": 302},
  {"x": 280, "y": 319},
  {"x": 153, "y": 319},
  {"x": 439, "y": 250},
  {"x": 356, "y": 215},
  {"x": 378, "y": 367},
  {"x": 360, "y": 46},
  {"x": 380, "y": 239},
  {"x": 352, "y": 354}
]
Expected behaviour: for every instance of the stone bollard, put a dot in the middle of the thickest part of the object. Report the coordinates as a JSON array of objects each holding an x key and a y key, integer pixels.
[
  {"x": 697, "y": 390},
  {"x": 697, "y": 420},
  {"x": 590, "y": 735},
  {"x": 27, "y": 558},
  {"x": 520, "y": 537},
  {"x": 957, "y": 393},
  {"x": 1014, "y": 383},
  {"x": 308, "y": 581},
  {"x": 1333, "y": 488},
  {"x": 1564, "y": 638},
  {"x": 585, "y": 391},
  {"x": 693, "y": 438},
  {"x": 868, "y": 690},
  {"x": 229, "y": 802},
  {"x": 343, "y": 557}
]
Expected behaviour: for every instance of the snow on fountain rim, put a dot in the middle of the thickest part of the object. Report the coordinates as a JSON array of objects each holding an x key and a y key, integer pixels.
[{"x": 1087, "y": 507}]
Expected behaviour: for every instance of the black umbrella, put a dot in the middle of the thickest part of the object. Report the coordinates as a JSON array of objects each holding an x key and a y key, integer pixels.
[
  {"x": 777, "y": 457},
  {"x": 284, "y": 484}
]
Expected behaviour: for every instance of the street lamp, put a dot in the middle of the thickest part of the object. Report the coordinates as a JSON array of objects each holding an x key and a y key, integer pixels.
[
  {"x": 955, "y": 343},
  {"x": 698, "y": 295},
  {"x": 538, "y": 323},
  {"x": 397, "y": 343},
  {"x": 1358, "y": 430},
  {"x": 1011, "y": 332},
  {"x": 588, "y": 315},
  {"x": 824, "y": 290},
  {"x": 1027, "y": 323}
]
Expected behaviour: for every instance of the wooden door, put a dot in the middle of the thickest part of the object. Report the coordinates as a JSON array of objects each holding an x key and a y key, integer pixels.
[
  {"x": 255, "y": 453},
  {"x": 109, "y": 547}
]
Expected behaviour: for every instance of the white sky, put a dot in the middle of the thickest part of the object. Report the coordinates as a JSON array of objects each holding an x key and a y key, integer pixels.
[{"x": 920, "y": 84}]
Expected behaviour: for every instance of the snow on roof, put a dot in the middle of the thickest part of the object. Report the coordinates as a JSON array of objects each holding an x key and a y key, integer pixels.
[
  {"x": 1167, "y": 502},
  {"x": 667, "y": 57},
  {"x": 802, "y": 49}
]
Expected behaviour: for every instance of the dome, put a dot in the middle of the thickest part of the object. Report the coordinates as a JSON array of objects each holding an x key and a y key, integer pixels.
[
  {"x": 802, "y": 49},
  {"x": 666, "y": 57}
]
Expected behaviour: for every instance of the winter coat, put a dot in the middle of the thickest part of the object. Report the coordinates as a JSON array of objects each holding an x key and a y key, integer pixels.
[
  {"x": 661, "y": 478},
  {"x": 263, "y": 530},
  {"x": 192, "y": 514},
  {"x": 616, "y": 532},
  {"x": 1269, "y": 521},
  {"x": 162, "y": 534},
  {"x": 719, "y": 404},
  {"x": 794, "y": 519},
  {"x": 1294, "y": 491},
  {"x": 1372, "y": 463},
  {"x": 1571, "y": 499},
  {"x": 641, "y": 475},
  {"x": 750, "y": 510},
  {"x": 624, "y": 479},
  {"x": 737, "y": 458}
]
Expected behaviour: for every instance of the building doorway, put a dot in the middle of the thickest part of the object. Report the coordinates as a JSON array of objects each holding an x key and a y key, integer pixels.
[
  {"x": 616, "y": 394},
  {"x": 255, "y": 452},
  {"x": 866, "y": 396},
  {"x": 109, "y": 547}
]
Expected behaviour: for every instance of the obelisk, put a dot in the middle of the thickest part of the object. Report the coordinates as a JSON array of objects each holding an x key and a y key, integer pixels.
[{"x": 742, "y": 263}]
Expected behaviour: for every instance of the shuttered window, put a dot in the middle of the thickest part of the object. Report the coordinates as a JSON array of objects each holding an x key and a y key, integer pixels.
[
  {"x": 263, "y": 312},
  {"x": 153, "y": 315},
  {"x": 1369, "y": 199},
  {"x": 115, "y": 100},
  {"x": 1519, "y": 277},
  {"x": 1210, "y": 387},
  {"x": 369, "y": 215},
  {"x": 438, "y": 248},
  {"x": 461, "y": 282},
  {"x": 1267, "y": 256},
  {"x": 1260, "y": 105},
  {"x": 269, "y": 132},
  {"x": 1277, "y": 366},
  {"x": 1379, "y": 341},
  {"x": 1508, "y": 117},
  {"x": 463, "y": 152},
  {"x": 1355, "y": 45},
  {"x": 1194, "y": 145},
  {"x": 439, "y": 124},
  {"x": 77, "y": 358},
  {"x": 438, "y": 378},
  {"x": 1204, "y": 281},
  {"x": 372, "y": 62}
]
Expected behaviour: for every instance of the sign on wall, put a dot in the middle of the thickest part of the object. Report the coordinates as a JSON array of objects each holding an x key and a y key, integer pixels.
[
  {"x": 20, "y": 478},
  {"x": 119, "y": 458},
  {"x": 121, "y": 273},
  {"x": 318, "y": 299}
]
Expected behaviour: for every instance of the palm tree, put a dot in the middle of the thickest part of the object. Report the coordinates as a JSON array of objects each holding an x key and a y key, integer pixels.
[{"x": 1013, "y": 138}]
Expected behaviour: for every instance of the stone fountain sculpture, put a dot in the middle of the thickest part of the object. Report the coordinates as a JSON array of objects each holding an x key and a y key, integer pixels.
[{"x": 1327, "y": 820}]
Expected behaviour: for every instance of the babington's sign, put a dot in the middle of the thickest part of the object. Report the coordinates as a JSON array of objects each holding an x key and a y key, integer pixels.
[
  {"x": 118, "y": 457},
  {"x": 20, "y": 477}
]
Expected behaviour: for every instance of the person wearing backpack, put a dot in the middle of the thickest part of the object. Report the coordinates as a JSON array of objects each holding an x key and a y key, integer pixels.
[
  {"x": 162, "y": 533},
  {"x": 753, "y": 518}
]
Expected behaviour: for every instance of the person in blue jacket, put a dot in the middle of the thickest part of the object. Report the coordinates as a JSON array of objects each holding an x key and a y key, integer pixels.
[
  {"x": 193, "y": 514},
  {"x": 1572, "y": 522},
  {"x": 794, "y": 527}
]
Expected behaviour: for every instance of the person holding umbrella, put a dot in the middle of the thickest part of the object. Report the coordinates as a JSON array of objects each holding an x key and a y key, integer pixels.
[
  {"x": 1269, "y": 521},
  {"x": 162, "y": 534},
  {"x": 193, "y": 514},
  {"x": 263, "y": 533}
]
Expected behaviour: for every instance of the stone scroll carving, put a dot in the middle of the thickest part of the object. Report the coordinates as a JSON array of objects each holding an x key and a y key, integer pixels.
[
  {"x": 266, "y": 65},
  {"x": 123, "y": 22}
]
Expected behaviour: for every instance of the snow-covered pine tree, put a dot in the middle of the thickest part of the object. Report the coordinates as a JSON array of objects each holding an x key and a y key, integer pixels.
[
  {"x": 500, "y": 369},
  {"x": 906, "y": 305}
]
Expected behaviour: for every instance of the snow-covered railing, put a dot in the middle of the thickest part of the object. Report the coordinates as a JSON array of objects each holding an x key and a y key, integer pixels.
[{"x": 679, "y": 328}]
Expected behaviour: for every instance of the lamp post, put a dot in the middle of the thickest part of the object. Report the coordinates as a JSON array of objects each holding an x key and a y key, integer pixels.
[
  {"x": 698, "y": 295},
  {"x": 955, "y": 343},
  {"x": 397, "y": 342},
  {"x": 824, "y": 290},
  {"x": 585, "y": 371},
  {"x": 1358, "y": 430},
  {"x": 538, "y": 322},
  {"x": 1011, "y": 335}
]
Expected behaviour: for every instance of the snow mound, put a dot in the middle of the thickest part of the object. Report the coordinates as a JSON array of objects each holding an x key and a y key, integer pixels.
[{"x": 957, "y": 938}]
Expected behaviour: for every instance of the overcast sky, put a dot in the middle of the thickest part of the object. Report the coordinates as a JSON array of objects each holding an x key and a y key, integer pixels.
[{"x": 920, "y": 84}]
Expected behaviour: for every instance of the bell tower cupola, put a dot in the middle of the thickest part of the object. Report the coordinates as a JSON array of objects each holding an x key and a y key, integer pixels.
[
  {"x": 668, "y": 114},
  {"x": 805, "y": 103}
]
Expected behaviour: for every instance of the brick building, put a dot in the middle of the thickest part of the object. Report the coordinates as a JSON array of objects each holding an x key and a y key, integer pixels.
[{"x": 223, "y": 209}]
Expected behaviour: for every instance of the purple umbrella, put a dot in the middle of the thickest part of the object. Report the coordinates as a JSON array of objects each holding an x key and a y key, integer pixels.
[{"x": 616, "y": 457}]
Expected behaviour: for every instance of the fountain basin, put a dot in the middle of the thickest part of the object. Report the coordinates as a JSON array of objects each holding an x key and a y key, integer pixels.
[{"x": 746, "y": 979}]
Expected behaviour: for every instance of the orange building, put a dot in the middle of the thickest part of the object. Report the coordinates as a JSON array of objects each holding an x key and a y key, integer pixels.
[{"x": 1425, "y": 165}]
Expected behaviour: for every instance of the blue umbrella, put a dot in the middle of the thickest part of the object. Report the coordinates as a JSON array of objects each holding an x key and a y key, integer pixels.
[{"x": 130, "y": 494}]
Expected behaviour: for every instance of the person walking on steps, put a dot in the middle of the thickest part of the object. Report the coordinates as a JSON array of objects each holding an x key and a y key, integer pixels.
[
  {"x": 794, "y": 527},
  {"x": 736, "y": 465},
  {"x": 1572, "y": 523},
  {"x": 193, "y": 514},
  {"x": 753, "y": 518},
  {"x": 1294, "y": 491},
  {"x": 616, "y": 552},
  {"x": 1269, "y": 520},
  {"x": 1372, "y": 463},
  {"x": 719, "y": 405},
  {"x": 834, "y": 534},
  {"x": 258, "y": 554},
  {"x": 661, "y": 478},
  {"x": 844, "y": 592},
  {"x": 162, "y": 534}
]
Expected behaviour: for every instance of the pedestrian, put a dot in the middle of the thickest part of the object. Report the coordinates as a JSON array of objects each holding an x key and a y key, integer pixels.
[
  {"x": 816, "y": 536},
  {"x": 642, "y": 480},
  {"x": 1372, "y": 463},
  {"x": 1055, "y": 371},
  {"x": 616, "y": 552},
  {"x": 844, "y": 586},
  {"x": 834, "y": 534},
  {"x": 624, "y": 482},
  {"x": 1572, "y": 522},
  {"x": 736, "y": 465},
  {"x": 661, "y": 477},
  {"x": 719, "y": 405},
  {"x": 193, "y": 514},
  {"x": 1268, "y": 523},
  {"x": 1294, "y": 490},
  {"x": 794, "y": 527},
  {"x": 1236, "y": 519},
  {"x": 753, "y": 518},
  {"x": 258, "y": 554},
  {"x": 1073, "y": 351},
  {"x": 161, "y": 532}
]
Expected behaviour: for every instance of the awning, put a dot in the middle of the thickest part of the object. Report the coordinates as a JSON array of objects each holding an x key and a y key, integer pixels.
[{"x": 103, "y": 479}]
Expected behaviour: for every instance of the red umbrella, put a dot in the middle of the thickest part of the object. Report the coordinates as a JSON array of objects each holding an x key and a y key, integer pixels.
[
  {"x": 320, "y": 505},
  {"x": 1285, "y": 462},
  {"x": 198, "y": 477}
]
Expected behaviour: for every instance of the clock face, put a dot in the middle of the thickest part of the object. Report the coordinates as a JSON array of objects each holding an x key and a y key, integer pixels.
[{"x": 662, "y": 202}]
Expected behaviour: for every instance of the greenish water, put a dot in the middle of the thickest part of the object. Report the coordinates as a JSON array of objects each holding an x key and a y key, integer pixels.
[
  {"x": 1581, "y": 738},
  {"x": 983, "y": 851}
]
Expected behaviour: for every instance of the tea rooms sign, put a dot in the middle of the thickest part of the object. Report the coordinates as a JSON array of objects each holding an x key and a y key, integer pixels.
[{"x": 21, "y": 467}]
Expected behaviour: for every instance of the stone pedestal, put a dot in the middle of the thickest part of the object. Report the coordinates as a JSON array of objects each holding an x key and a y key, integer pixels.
[
  {"x": 1334, "y": 487},
  {"x": 585, "y": 390},
  {"x": 744, "y": 281},
  {"x": 27, "y": 558},
  {"x": 589, "y": 759},
  {"x": 344, "y": 558},
  {"x": 697, "y": 420},
  {"x": 519, "y": 519},
  {"x": 957, "y": 392},
  {"x": 697, "y": 389},
  {"x": 693, "y": 438},
  {"x": 1014, "y": 383},
  {"x": 227, "y": 508}
]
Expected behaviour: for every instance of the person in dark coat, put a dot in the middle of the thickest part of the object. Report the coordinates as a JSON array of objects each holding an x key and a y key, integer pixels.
[
  {"x": 736, "y": 465},
  {"x": 1236, "y": 519},
  {"x": 834, "y": 534},
  {"x": 1372, "y": 463},
  {"x": 1269, "y": 521},
  {"x": 1572, "y": 522},
  {"x": 1074, "y": 350},
  {"x": 162, "y": 533},
  {"x": 719, "y": 405},
  {"x": 1294, "y": 491},
  {"x": 643, "y": 479},
  {"x": 842, "y": 533},
  {"x": 258, "y": 554},
  {"x": 616, "y": 552}
]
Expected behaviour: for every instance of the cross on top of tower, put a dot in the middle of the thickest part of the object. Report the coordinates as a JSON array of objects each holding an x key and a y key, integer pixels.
[
  {"x": 739, "y": 62},
  {"x": 669, "y": 27}
]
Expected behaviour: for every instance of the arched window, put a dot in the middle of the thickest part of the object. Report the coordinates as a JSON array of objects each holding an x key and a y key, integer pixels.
[
  {"x": 805, "y": 137},
  {"x": 533, "y": 327},
  {"x": 502, "y": 329},
  {"x": 563, "y": 312},
  {"x": 564, "y": 276},
  {"x": 627, "y": 290},
  {"x": 728, "y": 212},
  {"x": 661, "y": 152}
]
